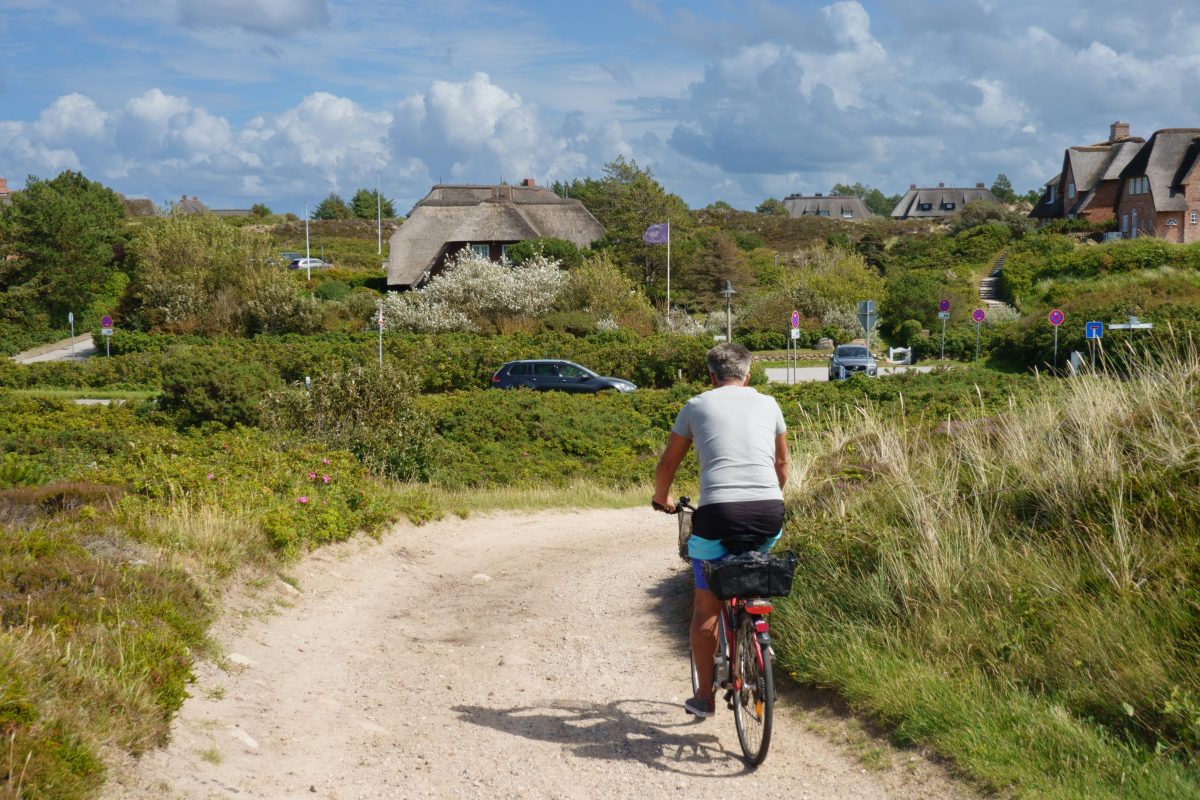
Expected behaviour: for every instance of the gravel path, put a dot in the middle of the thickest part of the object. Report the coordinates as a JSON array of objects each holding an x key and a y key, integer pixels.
[
  {"x": 77, "y": 349},
  {"x": 537, "y": 656}
]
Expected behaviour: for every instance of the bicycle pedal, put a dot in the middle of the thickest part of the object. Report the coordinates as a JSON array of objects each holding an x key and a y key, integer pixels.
[{"x": 729, "y": 699}]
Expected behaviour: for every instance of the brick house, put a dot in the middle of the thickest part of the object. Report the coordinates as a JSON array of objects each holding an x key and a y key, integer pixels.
[
  {"x": 1091, "y": 174},
  {"x": 1159, "y": 190},
  {"x": 940, "y": 202},
  {"x": 5, "y": 195},
  {"x": 834, "y": 206},
  {"x": 486, "y": 218}
]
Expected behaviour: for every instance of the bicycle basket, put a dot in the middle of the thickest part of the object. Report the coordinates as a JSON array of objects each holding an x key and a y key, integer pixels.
[
  {"x": 752, "y": 574},
  {"x": 685, "y": 532}
]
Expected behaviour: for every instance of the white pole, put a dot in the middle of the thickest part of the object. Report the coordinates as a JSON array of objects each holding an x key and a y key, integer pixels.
[
  {"x": 668, "y": 274},
  {"x": 307, "y": 247},
  {"x": 378, "y": 217}
]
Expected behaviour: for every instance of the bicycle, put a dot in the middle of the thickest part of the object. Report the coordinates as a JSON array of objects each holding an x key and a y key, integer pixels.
[{"x": 744, "y": 665}]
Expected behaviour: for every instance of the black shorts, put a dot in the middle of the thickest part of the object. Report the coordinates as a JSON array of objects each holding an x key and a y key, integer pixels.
[{"x": 739, "y": 526}]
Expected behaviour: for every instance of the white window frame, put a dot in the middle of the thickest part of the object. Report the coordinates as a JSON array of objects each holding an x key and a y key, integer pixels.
[
  {"x": 1172, "y": 221},
  {"x": 1053, "y": 192},
  {"x": 504, "y": 250},
  {"x": 947, "y": 206},
  {"x": 1194, "y": 217},
  {"x": 482, "y": 251},
  {"x": 847, "y": 214},
  {"x": 1125, "y": 223},
  {"x": 1071, "y": 190}
]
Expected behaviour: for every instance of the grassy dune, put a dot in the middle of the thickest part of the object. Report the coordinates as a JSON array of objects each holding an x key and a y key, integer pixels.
[{"x": 1017, "y": 592}]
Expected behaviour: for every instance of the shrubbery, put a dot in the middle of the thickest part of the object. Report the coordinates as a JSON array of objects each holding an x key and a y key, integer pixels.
[{"x": 199, "y": 387}]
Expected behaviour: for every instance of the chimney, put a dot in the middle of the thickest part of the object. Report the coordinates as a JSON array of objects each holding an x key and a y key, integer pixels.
[
  {"x": 529, "y": 182},
  {"x": 3, "y": 185},
  {"x": 819, "y": 194},
  {"x": 1118, "y": 131},
  {"x": 195, "y": 199},
  {"x": 183, "y": 198},
  {"x": 979, "y": 186},
  {"x": 912, "y": 186},
  {"x": 941, "y": 185}
]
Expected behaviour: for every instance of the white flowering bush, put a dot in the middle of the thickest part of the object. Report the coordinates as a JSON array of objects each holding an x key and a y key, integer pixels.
[
  {"x": 474, "y": 292},
  {"x": 682, "y": 323}
]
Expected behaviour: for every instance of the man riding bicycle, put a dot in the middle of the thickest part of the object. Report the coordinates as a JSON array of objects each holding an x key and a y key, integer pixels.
[{"x": 741, "y": 444}]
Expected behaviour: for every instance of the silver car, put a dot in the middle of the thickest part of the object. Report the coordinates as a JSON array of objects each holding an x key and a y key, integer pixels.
[{"x": 852, "y": 359}]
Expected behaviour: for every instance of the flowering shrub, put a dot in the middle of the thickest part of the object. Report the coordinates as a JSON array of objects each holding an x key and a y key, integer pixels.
[{"x": 474, "y": 293}]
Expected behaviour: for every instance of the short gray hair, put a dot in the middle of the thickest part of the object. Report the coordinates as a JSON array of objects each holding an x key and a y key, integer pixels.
[{"x": 729, "y": 362}]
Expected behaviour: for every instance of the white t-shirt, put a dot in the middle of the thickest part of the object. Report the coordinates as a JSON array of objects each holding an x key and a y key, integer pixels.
[{"x": 733, "y": 429}]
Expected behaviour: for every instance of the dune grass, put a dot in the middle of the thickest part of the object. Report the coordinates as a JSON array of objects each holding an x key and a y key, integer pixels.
[{"x": 1016, "y": 592}]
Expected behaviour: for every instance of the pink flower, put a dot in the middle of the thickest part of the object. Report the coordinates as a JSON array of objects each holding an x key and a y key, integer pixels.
[
  {"x": 324, "y": 460},
  {"x": 211, "y": 476},
  {"x": 312, "y": 476},
  {"x": 302, "y": 500},
  {"x": 325, "y": 479}
]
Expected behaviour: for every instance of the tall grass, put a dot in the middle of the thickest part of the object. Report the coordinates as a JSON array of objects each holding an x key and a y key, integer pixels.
[{"x": 1017, "y": 591}]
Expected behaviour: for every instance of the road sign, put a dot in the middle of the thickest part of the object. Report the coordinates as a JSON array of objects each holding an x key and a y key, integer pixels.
[
  {"x": 106, "y": 331},
  {"x": 943, "y": 315},
  {"x": 795, "y": 319},
  {"x": 978, "y": 315},
  {"x": 867, "y": 317},
  {"x": 106, "y": 321},
  {"x": 1134, "y": 324},
  {"x": 943, "y": 305},
  {"x": 1056, "y": 318},
  {"x": 795, "y": 333},
  {"x": 1093, "y": 330},
  {"x": 71, "y": 317}
]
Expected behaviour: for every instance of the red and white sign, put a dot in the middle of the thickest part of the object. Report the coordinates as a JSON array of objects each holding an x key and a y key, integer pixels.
[
  {"x": 795, "y": 319},
  {"x": 978, "y": 315},
  {"x": 1056, "y": 317}
]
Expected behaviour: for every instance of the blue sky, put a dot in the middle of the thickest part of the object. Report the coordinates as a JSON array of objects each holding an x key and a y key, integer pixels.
[{"x": 282, "y": 101}]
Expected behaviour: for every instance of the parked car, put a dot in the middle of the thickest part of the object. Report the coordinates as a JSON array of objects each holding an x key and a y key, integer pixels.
[
  {"x": 851, "y": 359},
  {"x": 543, "y": 374},
  {"x": 308, "y": 263}
]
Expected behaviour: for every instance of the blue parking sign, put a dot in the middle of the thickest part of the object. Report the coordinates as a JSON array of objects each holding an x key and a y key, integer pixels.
[{"x": 1093, "y": 330}]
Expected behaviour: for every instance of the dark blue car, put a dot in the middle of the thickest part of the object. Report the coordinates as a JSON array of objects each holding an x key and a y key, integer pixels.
[{"x": 544, "y": 374}]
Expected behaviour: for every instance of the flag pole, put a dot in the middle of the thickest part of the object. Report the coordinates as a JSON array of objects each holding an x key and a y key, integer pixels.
[{"x": 668, "y": 274}]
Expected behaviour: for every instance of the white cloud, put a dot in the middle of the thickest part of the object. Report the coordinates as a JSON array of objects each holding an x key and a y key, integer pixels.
[{"x": 273, "y": 17}]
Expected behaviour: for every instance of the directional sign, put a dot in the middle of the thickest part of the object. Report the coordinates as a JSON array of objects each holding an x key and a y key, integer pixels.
[
  {"x": 1134, "y": 324},
  {"x": 943, "y": 315},
  {"x": 1093, "y": 330},
  {"x": 978, "y": 315},
  {"x": 943, "y": 305},
  {"x": 1056, "y": 318},
  {"x": 795, "y": 319},
  {"x": 71, "y": 317}
]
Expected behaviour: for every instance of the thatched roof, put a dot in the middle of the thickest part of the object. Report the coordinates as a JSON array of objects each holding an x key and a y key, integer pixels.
[
  {"x": 834, "y": 206},
  {"x": 138, "y": 206},
  {"x": 1090, "y": 166},
  {"x": 942, "y": 201},
  {"x": 1167, "y": 160},
  {"x": 452, "y": 216},
  {"x": 189, "y": 206}
]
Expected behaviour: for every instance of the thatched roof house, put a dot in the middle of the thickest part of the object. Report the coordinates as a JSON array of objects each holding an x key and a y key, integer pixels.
[
  {"x": 138, "y": 207},
  {"x": 943, "y": 201},
  {"x": 1159, "y": 189},
  {"x": 192, "y": 206},
  {"x": 1087, "y": 185},
  {"x": 834, "y": 206},
  {"x": 486, "y": 218}
]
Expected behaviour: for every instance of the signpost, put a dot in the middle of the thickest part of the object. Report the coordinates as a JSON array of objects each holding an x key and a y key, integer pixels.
[
  {"x": 381, "y": 334},
  {"x": 106, "y": 332},
  {"x": 1056, "y": 318},
  {"x": 1094, "y": 332},
  {"x": 943, "y": 315},
  {"x": 793, "y": 362},
  {"x": 866, "y": 318},
  {"x": 978, "y": 315}
]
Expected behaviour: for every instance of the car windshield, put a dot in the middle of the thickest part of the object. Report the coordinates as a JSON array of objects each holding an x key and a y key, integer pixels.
[{"x": 853, "y": 352}]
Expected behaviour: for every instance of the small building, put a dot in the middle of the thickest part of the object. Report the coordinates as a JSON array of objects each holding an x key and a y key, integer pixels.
[
  {"x": 5, "y": 194},
  {"x": 1159, "y": 190},
  {"x": 138, "y": 207},
  {"x": 486, "y": 218},
  {"x": 192, "y": 206},
  {"x": 940, "y": 202},
  {"x": 1091, "y": 174},
  {"x": 834, "y": 206}
]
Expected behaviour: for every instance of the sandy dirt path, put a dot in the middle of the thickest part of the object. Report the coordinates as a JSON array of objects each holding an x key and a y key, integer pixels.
[{"x": 538, "y": 656}]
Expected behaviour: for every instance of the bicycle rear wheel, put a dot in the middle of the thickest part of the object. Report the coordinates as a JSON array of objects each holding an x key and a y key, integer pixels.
[{"x": 754, "y": 696}]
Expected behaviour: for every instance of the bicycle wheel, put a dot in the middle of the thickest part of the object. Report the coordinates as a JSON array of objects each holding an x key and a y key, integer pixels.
[{"x": 754, "y": 698}]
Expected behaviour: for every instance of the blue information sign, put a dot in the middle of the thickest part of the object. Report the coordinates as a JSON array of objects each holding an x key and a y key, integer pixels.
[{"x": 1093, "y": 330}]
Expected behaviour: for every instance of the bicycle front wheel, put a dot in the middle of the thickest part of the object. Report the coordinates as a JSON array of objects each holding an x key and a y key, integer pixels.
[{"x": 754, "y": 693}]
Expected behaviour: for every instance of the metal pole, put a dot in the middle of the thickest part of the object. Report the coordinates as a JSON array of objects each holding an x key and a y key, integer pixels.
[
  {"x": 976, "y": 341},
  {"x": 729, "y": 317},
  {"x": 943, "y": 339},
  {"x": 1055, "y": 364},
  {"x": 381, "y": 334},
  {"x": 307, "y": 246},
  {"x": 668, "y": 274},
  {"x": 378, "y": 217},
  {"x": 107, "y": 354}
]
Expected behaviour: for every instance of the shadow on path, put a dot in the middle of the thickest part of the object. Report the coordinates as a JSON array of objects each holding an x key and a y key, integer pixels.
[{"x": 648, "y": 731}]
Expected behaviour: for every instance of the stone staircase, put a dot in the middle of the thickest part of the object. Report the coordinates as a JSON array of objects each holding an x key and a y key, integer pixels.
[{"x": 988, "y": 290}]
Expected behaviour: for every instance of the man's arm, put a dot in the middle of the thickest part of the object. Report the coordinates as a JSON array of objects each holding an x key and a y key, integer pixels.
[
  {"x": 668, "y": 464},
  {"x": 781, "y": 459}
]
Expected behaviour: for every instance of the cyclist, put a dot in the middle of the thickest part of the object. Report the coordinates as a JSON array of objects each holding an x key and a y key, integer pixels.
[{"x": 741, "y": 444}]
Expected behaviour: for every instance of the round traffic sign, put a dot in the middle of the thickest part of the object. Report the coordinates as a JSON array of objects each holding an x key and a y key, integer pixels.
[
  {"x": 106, "y": 321},
  {"x": 978, "y": 315},
  {"x": 943, "y": 305},
  {"x": 795, "y": 319},
  {"x": 1056, "y": 318}
]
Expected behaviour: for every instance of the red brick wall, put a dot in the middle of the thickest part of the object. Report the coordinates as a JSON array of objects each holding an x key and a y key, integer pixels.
[
  {"x": 1100, "y": 207},
  {"x": 1190, "y": 230},
  {"x": 1146, "y": 215}
]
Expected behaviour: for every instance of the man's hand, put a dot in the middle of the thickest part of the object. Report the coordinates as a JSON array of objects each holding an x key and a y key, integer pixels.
[{"x": 667, "y": 505}]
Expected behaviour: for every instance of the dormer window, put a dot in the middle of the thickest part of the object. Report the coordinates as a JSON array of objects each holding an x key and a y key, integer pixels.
[
  {"x": 482, "y": 250},
  {"x": 1071, "y": 190},
  {"x": 1137, "y": 185},
  {"x": 1050, "y": 194},
  {"x": 925, "y": 206},
  {"x": 847, "y": 214},
  {"x": 947, "y": 206},
  {"x": 824, "y": 212}
]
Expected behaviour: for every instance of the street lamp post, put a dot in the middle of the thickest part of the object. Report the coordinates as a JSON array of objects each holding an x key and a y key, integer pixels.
[{"x": 729, "y": 292}]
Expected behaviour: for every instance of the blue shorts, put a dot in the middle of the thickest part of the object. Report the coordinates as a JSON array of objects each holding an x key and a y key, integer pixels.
[{"x": 698, "y": 563}]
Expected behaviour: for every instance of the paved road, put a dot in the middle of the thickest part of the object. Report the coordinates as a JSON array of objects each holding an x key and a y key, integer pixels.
[
  {"x": 76, "y": 349},
  {"x": 812, "y": 374}
]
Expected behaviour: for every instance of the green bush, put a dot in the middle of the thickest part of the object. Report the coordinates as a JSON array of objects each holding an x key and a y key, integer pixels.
[
  {"x": 199, "y": 387},
  {"x": 332, "y": 290}
]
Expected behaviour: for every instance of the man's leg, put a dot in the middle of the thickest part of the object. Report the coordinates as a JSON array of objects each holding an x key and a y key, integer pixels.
[{"x": 705, "y": 609}]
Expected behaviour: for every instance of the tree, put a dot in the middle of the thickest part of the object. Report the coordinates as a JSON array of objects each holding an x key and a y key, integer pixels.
[
  {"x": 560, "y": 250},
  {"x": 365, "y": 206},
  {"x": 719, "y": 205},
  {"x": 260, "y": 210},
  {"x": 772, "y": 206},
  {"x": 872, "y": 198},
  {"x": 1003, "y": 189},
  {"x": 718, "y": 262},
  {"x": 332, "y": 207},
  {"x": 1032, "y": 196},
  {"x": 62, "y": 233}
]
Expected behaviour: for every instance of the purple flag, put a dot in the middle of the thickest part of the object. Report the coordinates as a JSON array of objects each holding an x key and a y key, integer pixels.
[{"x": 657, "y": 234}]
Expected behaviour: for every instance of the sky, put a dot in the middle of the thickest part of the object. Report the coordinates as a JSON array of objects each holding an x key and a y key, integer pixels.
[{"x": 284, "y": 101}]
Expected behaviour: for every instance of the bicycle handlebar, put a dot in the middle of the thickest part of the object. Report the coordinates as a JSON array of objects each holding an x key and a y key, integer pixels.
[{"x": 680, "y": 504}]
